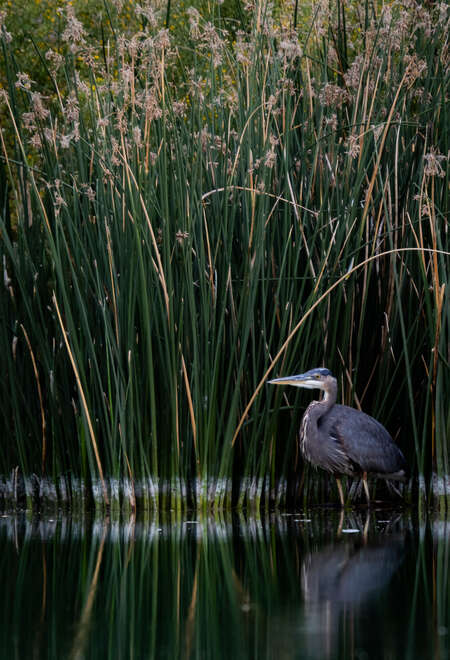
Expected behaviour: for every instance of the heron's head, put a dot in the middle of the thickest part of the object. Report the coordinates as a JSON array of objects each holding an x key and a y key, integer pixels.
[{"x": 314, "y": 379}]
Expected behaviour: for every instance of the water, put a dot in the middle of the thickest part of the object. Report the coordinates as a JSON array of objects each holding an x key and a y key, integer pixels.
[{"x": 308, "y": 586}]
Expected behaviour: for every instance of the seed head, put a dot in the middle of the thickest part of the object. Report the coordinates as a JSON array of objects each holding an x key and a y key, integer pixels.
[{"x": 433, "y": 161}]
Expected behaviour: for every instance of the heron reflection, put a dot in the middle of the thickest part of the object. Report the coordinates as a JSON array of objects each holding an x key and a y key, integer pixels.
[{"x": 341, "y": 582}]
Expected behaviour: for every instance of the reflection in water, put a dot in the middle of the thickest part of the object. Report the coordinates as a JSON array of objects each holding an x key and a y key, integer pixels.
[
  {"x": 292, "y": 586},
  {"x": 339, "y": 581},
  {"x": 83, "y": 627}
]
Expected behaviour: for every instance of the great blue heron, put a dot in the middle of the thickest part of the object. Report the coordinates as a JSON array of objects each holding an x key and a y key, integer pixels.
[{"x": 343, "y": 440}]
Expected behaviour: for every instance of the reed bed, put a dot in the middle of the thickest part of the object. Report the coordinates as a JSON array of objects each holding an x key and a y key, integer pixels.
[{"x": 182, "y": 217}]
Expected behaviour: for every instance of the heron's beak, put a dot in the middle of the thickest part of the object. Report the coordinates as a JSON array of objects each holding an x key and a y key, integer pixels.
[
  {"x": 297, "y": 381},
  {"x": 301, "y": 380}
]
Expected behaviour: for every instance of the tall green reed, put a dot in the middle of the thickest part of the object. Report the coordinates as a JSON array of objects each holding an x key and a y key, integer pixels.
[{"x": 179, "y": 215}]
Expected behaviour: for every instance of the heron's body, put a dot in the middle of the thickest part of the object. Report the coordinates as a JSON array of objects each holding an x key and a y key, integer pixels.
[
  {"x": 351, "y": 443},
  {"x": 343, "y": 440}
]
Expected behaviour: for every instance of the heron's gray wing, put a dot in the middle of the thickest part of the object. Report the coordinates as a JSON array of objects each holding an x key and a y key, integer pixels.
[{"x": 366, "y": 443}]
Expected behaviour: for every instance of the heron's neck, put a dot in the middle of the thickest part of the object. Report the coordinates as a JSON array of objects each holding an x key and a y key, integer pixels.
[
  {"x": 329, "y": 397},
  {"x": 318, "y": 409}
]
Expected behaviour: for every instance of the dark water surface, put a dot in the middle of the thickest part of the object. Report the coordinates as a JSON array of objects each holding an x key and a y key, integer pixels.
[{"x": 306, "y": 585}]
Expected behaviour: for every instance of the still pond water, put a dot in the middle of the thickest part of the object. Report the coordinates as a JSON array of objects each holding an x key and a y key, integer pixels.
[{"x": 305, "y": 585}]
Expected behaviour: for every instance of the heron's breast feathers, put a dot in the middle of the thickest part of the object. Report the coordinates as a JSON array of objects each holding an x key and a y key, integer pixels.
[{"x": 324, "y": 450}]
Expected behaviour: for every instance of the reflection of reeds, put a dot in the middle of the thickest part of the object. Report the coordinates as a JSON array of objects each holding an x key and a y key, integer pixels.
[
  {"x": 83, "y": 627},
  {"x": 278, "y": 586},
  {"x": 175, "y": 229}
]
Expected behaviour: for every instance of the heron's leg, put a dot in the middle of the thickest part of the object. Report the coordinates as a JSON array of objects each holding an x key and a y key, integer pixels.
[
  {"x": 341, "y": 523},
  {"x": 341, "y": 492},
  {"x": 366, "y": 528},
  {"x": 366, "y": 487}
]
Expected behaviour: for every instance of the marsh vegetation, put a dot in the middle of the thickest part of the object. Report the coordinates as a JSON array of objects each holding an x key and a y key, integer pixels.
[{"x": 196, "y": 198}]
